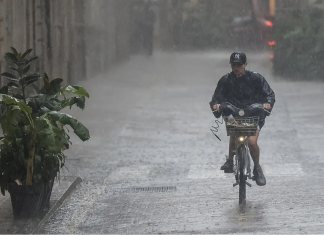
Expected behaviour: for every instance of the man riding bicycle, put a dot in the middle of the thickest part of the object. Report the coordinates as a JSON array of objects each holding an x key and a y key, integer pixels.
[{"x": 243, "y": 88}]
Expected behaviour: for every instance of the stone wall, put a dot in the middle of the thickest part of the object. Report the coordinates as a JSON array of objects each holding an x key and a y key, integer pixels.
[{"x": 74, "y": 39}]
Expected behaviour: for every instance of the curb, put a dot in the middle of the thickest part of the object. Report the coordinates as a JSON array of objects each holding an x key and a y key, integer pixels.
[{"x": 57, "y": 205}]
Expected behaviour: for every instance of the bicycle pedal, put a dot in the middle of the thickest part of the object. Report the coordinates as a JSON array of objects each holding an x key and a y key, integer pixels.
[{"x": 248, "y": 184}]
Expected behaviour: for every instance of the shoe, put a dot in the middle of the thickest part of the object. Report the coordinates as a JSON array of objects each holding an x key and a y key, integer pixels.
[
  {"x": 228, "y": 166},
  {"x": 259, "y": 176}
]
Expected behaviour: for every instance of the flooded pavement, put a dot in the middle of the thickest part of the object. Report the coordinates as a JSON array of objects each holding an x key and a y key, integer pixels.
[{"x": 152, "y": 164}]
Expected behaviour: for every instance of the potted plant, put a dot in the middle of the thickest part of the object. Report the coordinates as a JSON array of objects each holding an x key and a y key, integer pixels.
[{"x": 35, "y": 133}]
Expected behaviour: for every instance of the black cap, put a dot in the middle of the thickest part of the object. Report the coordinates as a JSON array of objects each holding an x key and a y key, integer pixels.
[{"x": 238, "y": 57}]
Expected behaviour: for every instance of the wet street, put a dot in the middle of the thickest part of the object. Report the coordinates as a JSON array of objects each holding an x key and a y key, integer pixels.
[{"x": 152, "y": 163}]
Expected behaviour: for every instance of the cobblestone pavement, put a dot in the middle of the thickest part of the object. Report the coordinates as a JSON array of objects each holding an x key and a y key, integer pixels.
[{"x": 152, "y": 164}]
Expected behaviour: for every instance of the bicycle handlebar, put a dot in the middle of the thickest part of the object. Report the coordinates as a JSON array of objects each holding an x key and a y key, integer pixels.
[{"x": 252, "y": 109}]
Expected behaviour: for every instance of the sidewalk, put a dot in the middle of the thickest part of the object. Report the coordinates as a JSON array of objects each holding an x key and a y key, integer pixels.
[{"x": 61, "y": 190}]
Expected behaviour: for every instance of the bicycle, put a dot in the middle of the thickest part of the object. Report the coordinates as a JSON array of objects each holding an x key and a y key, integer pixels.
[{"x": 242, "y": 123}]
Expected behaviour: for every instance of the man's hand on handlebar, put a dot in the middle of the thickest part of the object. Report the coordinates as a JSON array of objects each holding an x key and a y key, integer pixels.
[
  {"x": 216, "y": 107},
  {"x": 267, "y": 106}
]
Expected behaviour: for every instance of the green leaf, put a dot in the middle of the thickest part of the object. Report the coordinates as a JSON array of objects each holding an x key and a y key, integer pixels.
[
  {"x": 77, "y": 90},
  {"x": 78, "y": 101},
  {"x": 79, "y": 129},
  {"x": 14, "y": 51},
  {"x": 56, "y": 81},
  {"x": 44, "y": 110},
  {"x": 14, "y": 68},
  {"x": 26, "y": 53},
  {"x": 32, "y": 59},
  {"x": 10, "y": 119},
  {"x": 47, "y": 135},
  {"x": 10, "y": 58},
  {"x": 11, "y": 100},
  {"x": 26, "y": 69},
  {"x": 30, "y": 79},
  {"x": 13, "y": 84},
  {"x": 9, "y": 75},
  {"x": 53, "y": 104},
  {"x": 55, "y": 85}
]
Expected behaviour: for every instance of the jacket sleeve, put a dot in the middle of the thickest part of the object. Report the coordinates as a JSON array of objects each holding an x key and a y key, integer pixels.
[
  {"x": 267, "y": 93},
  {"x": 219, "y": 94}
]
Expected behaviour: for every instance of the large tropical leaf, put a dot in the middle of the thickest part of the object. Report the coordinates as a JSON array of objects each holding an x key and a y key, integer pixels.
[
  {"x": 49, "y": 136},
  {"x": 52, "y": 104},
  {"x": 79, "y": 129},
  {"x": 44, "y": 110},
  {"x": 10, "y": 119},
  {"x": 11, "y": 100},
  {"x": 51, "y": 88},
  {"x": 56, "y": 82},
  {"x": 42, "y": 103},
  {"x": 77, "y": 90},
  {"x": 78, "y": 101},
  {"x": 36, "y": 102},
  {"x": 55, "y": 85}
]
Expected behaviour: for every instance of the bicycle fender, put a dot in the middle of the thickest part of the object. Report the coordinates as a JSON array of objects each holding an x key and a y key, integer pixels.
[{"x": 241, "y": 149}]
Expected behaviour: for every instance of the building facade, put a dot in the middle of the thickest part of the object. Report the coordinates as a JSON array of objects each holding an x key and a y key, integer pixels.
[{"x": 74, "y": 39}]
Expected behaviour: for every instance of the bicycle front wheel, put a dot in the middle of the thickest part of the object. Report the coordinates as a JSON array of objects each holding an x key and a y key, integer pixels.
[{"x": 242, "y": 175}]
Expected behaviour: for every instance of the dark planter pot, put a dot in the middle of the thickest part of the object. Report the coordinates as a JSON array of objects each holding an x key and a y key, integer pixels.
[
  {"x": 26, "y": 200},
  {"x": 48, "y": 187}
]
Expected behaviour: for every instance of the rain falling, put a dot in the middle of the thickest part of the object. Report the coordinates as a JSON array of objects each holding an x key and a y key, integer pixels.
[{"x": 161, "y": 116}]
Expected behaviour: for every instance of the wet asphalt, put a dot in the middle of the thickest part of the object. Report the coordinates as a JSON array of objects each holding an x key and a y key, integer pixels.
[{"x": 152, "y": 163}]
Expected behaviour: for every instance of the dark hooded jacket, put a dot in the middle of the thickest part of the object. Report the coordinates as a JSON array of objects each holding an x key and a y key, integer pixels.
[{"x": 243, "y": 91}]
